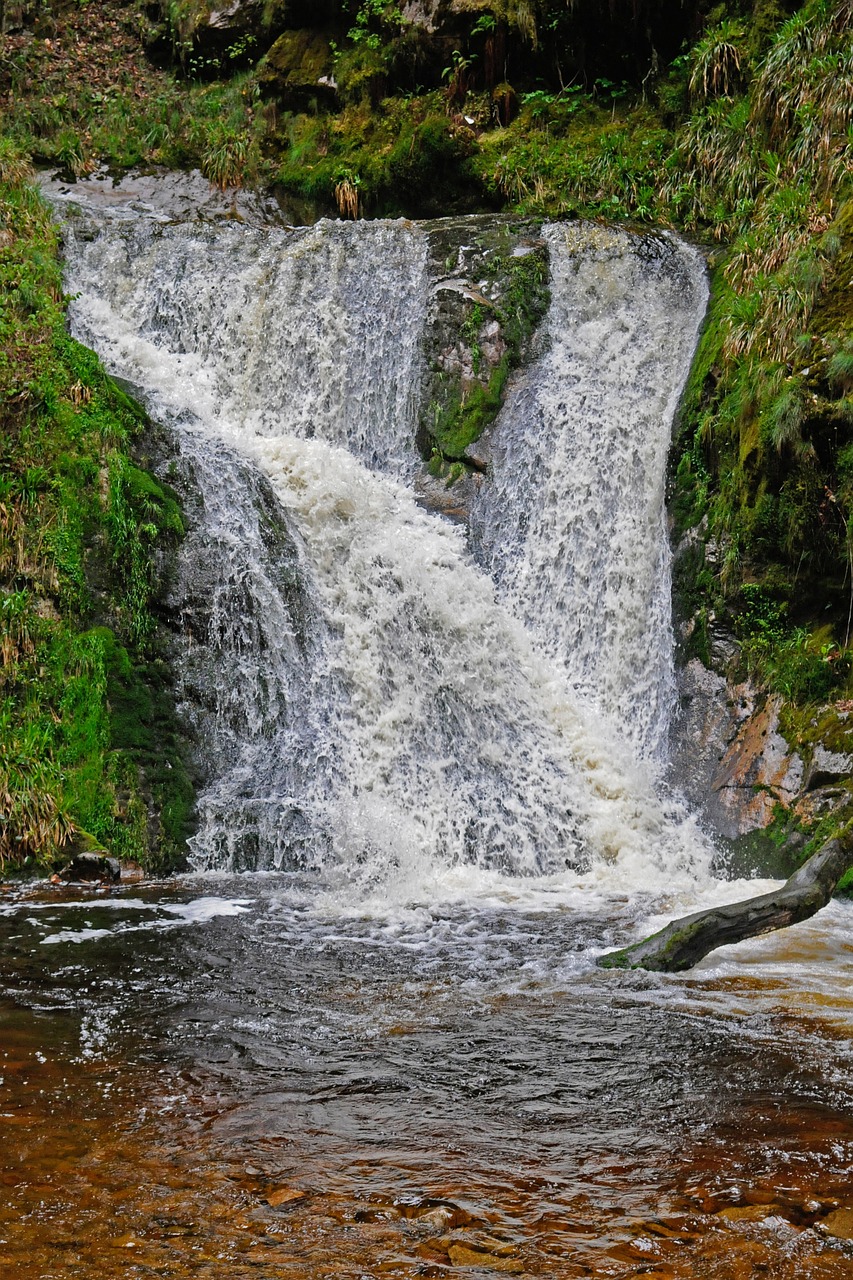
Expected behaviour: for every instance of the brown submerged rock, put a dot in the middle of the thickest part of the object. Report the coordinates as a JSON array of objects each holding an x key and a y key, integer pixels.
[
  {"x": 283, "y": 1196},
  {"x": 462, "y": 1255},
  {"x": 750, "y": 1212},
  {"x": 839, "y": 1224}
]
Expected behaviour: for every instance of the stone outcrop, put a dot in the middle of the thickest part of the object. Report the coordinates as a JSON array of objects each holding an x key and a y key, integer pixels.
[
  {"x": 739, "y": 760},
  {"x": 732, "y": 760},
  {"x": 748, "y": 760},
  {"x": 298, "y": 70},
  {"x": 211, "y": 34},
  {"x": 489, "y": 295}
]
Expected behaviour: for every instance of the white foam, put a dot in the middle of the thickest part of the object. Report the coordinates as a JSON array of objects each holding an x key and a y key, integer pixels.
[{"x": 177, "y": 914}]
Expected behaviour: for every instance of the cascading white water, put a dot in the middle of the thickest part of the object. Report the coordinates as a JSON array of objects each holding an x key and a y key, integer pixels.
[
  {"x": 309, "y": 330},
  {"x": 572, "y": 524},
  {"x": 433, "y": 720},
  {"x": 263, "y": 721}
]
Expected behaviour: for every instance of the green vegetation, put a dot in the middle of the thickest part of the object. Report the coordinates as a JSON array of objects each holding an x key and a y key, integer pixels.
[
  {"x": 86, "y": 95},
  {"x": 464, "y": 421},
  {"x": 89, "y": 752}
]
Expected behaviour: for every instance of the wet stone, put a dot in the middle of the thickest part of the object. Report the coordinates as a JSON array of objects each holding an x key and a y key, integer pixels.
[
  {"x": 283, "y": 1196},
  {"x": 464, "y": 1256},
  {"x": 751, "y": 1212},
  {"x": 94, "y": 866},
  {"x": 839, "y": 1224}
]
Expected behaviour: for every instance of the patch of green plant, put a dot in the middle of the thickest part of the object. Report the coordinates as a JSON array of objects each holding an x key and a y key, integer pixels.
[
  {"x": 75, "y": 121},
  {"x": 405, "y": 160},
  {"x": 79, "y": 525},
  {"x": 803, "y": 666},
  {"x": 459, "y": 425},
  {"x": 524, "y": 301},
  {"x": 761, "y": 458}
]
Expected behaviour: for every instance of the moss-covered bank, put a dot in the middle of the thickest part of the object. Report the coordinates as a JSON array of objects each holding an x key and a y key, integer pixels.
[{"x": 90, "y": 752}]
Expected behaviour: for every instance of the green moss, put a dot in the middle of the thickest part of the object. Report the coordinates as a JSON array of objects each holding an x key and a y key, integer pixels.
[
  {"x": 405, "y": 158},
  {"x": 461, "y": 408},
  {"x": 456, "y": 428},
  {"x": 428, "y": 171},
  {"x": 88, "y": 737},
  {"x": 525, "y": 296}
]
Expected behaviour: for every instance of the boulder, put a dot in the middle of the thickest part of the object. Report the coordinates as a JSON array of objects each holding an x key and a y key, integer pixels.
[
  {"x": 452, "y": 496},
  {"x": 95, "y": 866},
  {"x": 213, "y": 25},
  {"x": 298, "y": 69},
  {"x": 826, "y": 767}
]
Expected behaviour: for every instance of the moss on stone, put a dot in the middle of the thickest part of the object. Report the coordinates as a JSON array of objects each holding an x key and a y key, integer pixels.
[
  {"x": 463, "y": 422},
  {"x": 88, "y": 736},
  {"x": 294, "y": 67}
]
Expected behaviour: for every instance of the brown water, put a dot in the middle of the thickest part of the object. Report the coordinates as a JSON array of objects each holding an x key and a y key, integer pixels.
[{"x": 279, "y": 1092}]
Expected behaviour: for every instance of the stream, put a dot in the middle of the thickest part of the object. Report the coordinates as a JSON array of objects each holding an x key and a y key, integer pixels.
[
  {"x": 366, "y": 1036},
  {"x": 223, "y": 1077}
]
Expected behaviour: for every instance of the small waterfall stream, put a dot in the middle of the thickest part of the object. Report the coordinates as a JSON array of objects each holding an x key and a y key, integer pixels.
[
  {"x": 573, "y": 523},
  {"x": 397, "y": 711}
]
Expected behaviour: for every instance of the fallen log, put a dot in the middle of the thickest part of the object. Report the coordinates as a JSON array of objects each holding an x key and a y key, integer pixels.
[{"x": 683, "y": 943}]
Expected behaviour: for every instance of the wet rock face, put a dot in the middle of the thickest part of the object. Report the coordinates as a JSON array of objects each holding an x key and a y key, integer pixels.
[
  {"x": 489, "y": 295},
  {"x": 731, "y": 759},
  {"x": 236, "y": 566},
  {"x": 758, "y": 771},
  {"x": 746, "y": 759},
  {"x": 734, "y": 760},
  {"x": 450, "y": 495}
]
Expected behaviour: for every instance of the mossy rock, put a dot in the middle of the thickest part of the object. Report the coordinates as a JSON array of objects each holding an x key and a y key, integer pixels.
[
  {"x": 478, "y": 335},
  {"x": 297, "y": 69},
  {"x": 428, "y": 172}
]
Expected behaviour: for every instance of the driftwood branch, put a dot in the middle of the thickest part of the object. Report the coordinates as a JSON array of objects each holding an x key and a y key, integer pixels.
[{"x": 684, "y": 942}]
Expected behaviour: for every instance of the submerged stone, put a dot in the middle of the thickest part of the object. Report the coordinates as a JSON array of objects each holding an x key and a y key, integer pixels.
[
  {"x": 463, "y": 1256},
  {"x": 839, "y": 1224}
]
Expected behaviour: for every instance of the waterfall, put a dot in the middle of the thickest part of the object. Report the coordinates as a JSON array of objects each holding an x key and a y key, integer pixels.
[
  {"x": 249, "y": 663},
  {"x": 573, "y": 524},
  {"x": 315, "y": 329},
  {"x": 372, "y": 695}
]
